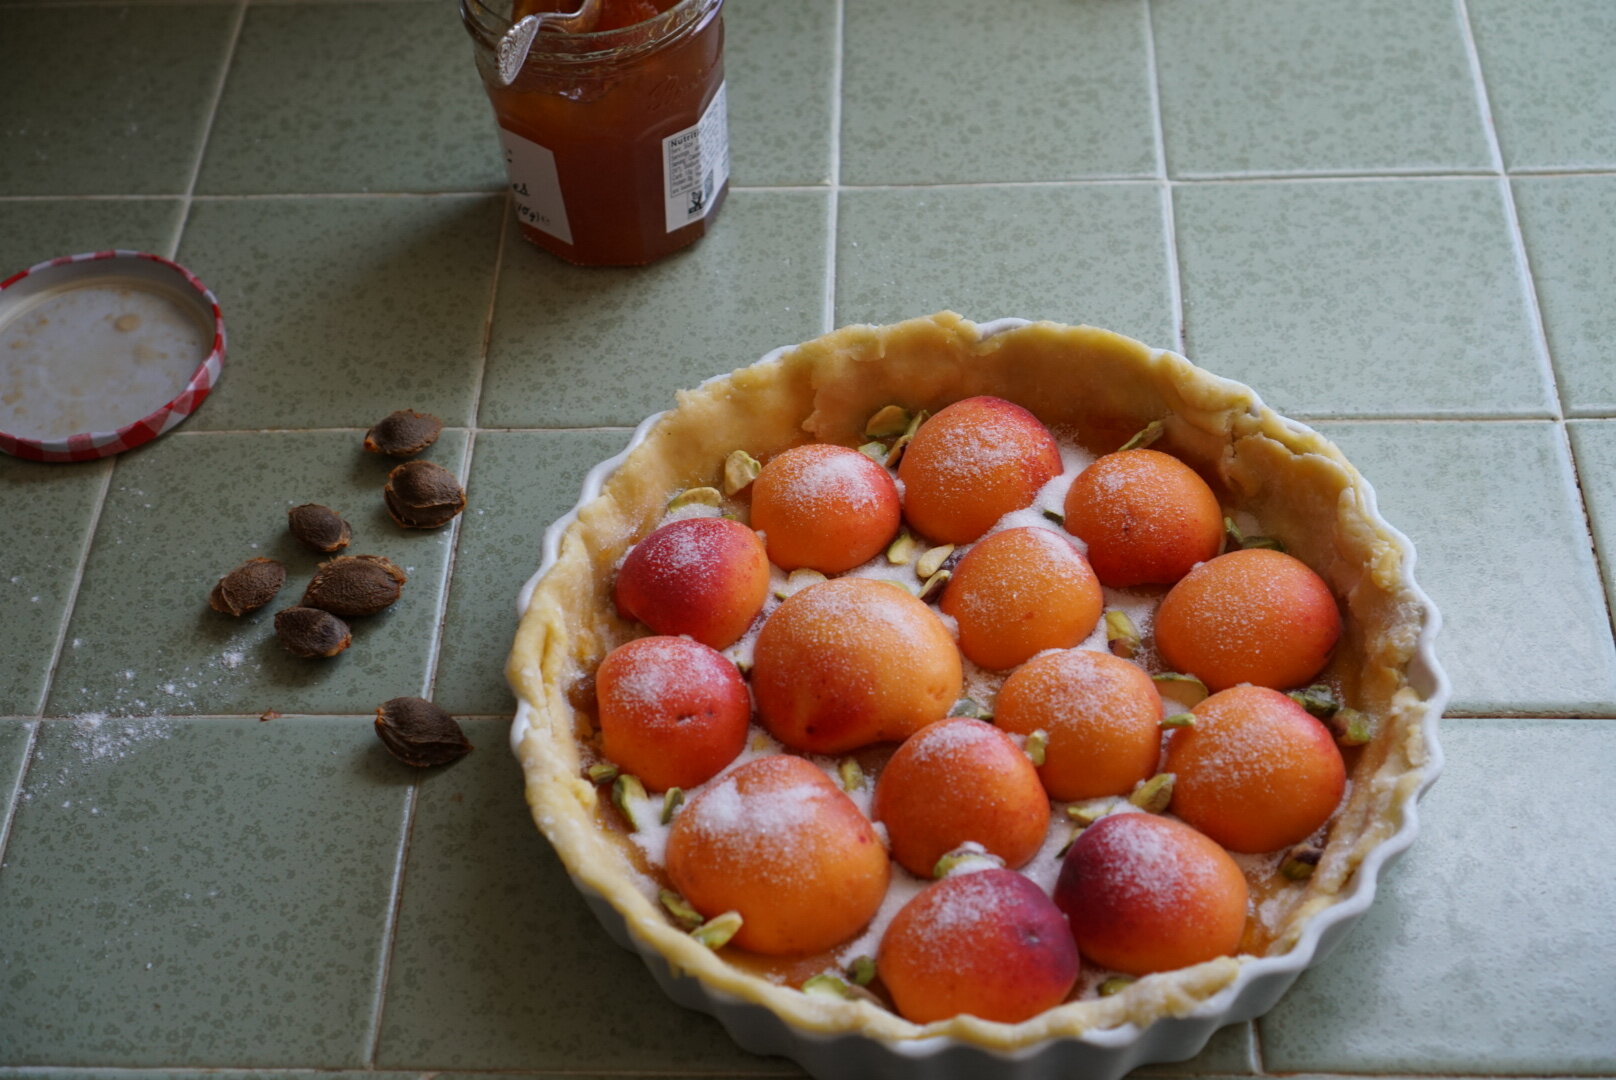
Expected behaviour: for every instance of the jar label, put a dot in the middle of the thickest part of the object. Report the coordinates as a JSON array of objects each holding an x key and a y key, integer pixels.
[
  {"x": 695, "y": 163},
  {"x": 537, "y": 187}
]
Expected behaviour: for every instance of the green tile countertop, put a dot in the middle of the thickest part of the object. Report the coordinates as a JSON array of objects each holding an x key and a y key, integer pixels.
[{"x": 1395, "y": 218}]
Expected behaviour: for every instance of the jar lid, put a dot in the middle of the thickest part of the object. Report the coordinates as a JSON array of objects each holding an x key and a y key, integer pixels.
[{"x": 102, "y": 352}]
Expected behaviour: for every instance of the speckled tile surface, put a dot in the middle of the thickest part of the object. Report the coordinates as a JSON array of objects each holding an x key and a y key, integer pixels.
[{"x": 1393, "y": 218}]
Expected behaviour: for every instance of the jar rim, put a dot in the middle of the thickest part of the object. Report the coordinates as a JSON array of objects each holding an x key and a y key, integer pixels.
[{"x": 488, "y": 25}]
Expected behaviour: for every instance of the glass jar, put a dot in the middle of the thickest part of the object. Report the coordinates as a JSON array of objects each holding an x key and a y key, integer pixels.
[{"x": 616, "y": 141}]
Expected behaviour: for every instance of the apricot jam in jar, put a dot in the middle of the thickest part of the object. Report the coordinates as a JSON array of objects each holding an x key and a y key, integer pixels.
[{"x": 616, "y": 141}]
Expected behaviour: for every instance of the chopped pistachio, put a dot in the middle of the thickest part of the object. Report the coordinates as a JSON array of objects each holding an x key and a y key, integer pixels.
[
  {"x": 1084, "y": 816},
  {"x": 1144, "y": 437},
  {"x": 968, "y": 855},
  {"x": 1300, "y": 862},
  {"x": 1352, "y": 728},
  {"x": 875, "y": 451},
  {"x": 696, "y": 496},
  {"x": 932, "y": 560},
  {"x": 888, "y": 421},
  {"x": 901, "y": 552},
  {"x": 1186, "y": 691},
  {"x": 852, "y": 776},
  {"x": 895, "y": 453},
  {"x": 680, "y": 908},
  {"x": 827, "y": 985},
  {"x": 1038, "y": 746},
  {"x": 671, "y": 801},
  {"x": 1317, "y": 699},
  {"x": 1121, "y": 634},
  {"x": 1116, "y": 984},
  {"x": 625, "y": 790},
  {"x": 934, "y": 585},
  {"x": 1056, "y": 516},
  {"x": 603, "y": 773},
  {"x": 797, "y": 580},
  {"x": 740, "y": 469},
  {"x": 1265, "y": 543},
  {"x": 716, "y": 931},
  {"x": 920, "y": 417},
  {"x": 1154, "y": 795},
  {"x": 862, "y": 970},
  {"x": 1239, "y": 541},
  {"x": 1178, "y": 720},
  {"x": 970, "y": 707}
]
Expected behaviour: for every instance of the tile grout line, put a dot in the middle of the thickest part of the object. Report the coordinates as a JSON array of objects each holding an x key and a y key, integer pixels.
[
  {"x": 1175, "y": 279},
  {"x": 9, "y": 815},
  {"x": 189, "y": 198},
  {"x": 78, "y": 583},
  {"x": 395, "y": 903},
  {"x": 833, "y": 212}
]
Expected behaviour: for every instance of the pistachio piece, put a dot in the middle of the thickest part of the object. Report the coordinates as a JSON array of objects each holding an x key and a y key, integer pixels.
[
  {"x": 895, "y": 452},
  {"x": 797, "y": 580},
  {"x": 934, "y": 585},
  {"x": 1154, "y": 795},
  {"x": 1186, "y": 691},
  {"x": 901, "y": 552},
  {"x": 1178, "y": 720},
  {"x": 1084, "y": 816},
  {"x": 970, "y": 856},
  {"x": 827, "y": 985},
  {"x": 1237, "y": 540},
  {"x": 1352, "y": 728},
  {"x": 875, "y": 451},
  {"x": 970, "y": 707},
  {"x": 1144, "y": 437},
  {"x": 862, "y": 970},
  {"x": 1300, "y": 862},
  {"x": 716, "y": 931},
  {"x": 740, "y": 469},
  {"x": 1038, "y": 746},
  {"x": 672, "y": 799},
  {"x": 932, "y": 560},
  {"x": 888, "y": 421},
  {"x": 696, "y": 496},
  {"x": 852, "y": 776},
  {"x": 1056, "y": 516},
  {"x": 680, "y": 908},
  {"x": 1268, "y": 543},
  {"x": 1317, "y": 699},
  {"x": 603, "y": 772},
  {"x": 318, "y": 527},
  {"x": 920, "y": 417},
  {"x": 1116, "y": 984},
  {"x": 248, "y": 587},
  {"x": 1121, "y": 635},
  {"x": 626, "y": 791}
]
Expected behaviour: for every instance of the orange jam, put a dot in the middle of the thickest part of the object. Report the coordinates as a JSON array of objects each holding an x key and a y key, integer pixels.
[{"x": 616, "y": 141}]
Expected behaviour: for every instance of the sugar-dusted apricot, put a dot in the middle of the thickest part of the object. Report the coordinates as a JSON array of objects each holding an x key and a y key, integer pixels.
[
  {"x": 1146, "y": 893},
  {"x": 706, "y": 577},
  {"x": 672, "y": 711},
  {"x": 777, "y": 841},
  {"x": 974, "y": 462},
  {"x": 852, "y": 661},
  {"x": 1146, "y": 517},
  {"x": 1257, "y": 772},
  {"x": 1256, "y": 616},
  {"x": 988, "y": 943},
  {"x": 1102, "y": 715},
  {"x": 1019, "y": 592},
  {"x": 824, "y": 507},
  {"x": 960, "y": 781}
]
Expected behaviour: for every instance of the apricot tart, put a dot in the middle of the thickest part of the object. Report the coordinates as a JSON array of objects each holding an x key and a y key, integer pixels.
[{"x": 1010, "y": 698}]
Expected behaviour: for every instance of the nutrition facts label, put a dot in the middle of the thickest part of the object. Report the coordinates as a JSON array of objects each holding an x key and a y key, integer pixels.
[
  {"x": 695, "y": 162},
  {"x": 537, "y": 188}
]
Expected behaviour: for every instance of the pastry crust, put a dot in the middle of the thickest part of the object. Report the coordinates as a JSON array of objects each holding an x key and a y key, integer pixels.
[{"x": 1096, "y": 385}]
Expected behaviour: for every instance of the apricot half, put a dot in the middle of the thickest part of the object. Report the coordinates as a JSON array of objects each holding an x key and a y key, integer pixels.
[
  {"x": 1102, "y": 715},
  {"x": 1256, "y": 616},
  {"x": 1257, "y": 772},
  {"x": 1146, "y": 893},
  {"x": 1146, "y": 517},
  {"x": 974, "y": 462},
  {"x": 1019, "y": 592},
  {"x": 777, "y": 841},
  {"x": 960, "y": 781},
  {"x": 988, "y": 943},
  {"x": 824, "y": 507},
  {"x": 852, "y": 661},
  {"x": 706, "y": 577}
]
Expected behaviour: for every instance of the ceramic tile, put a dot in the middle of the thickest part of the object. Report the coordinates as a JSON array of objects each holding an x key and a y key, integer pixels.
[
  {"x": 498, "y": 963},
  {"x": 107, "y": 100},
  {"x": 317, "y": 100},
  {"x": 949, "y": 91},
  {"x": 48, "y": 511},
  {"x": 1090, "y": 253},
  {"x": 186, "y": 510},
  {"x": 1549, "y": 79},
  {"x": 1569, "y": 224},
  {"x": 583, "y": 347},
  {"x": 341, "y": 310},
  {"x": 1482, "y": 953},
  {"x": 1321, "y": 88},
  {"x": 524, "y": 480},
  {"x": 1594, "y": 444},
  {"x": 16, "y": 735},
  {"x": 194, "y": 892},
  {"x": 34, "y": 230},
  {"x": 1493, "y": 512},
  {"x": 1361, "y": 297},
  {"x": 779, "y": 66}
]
